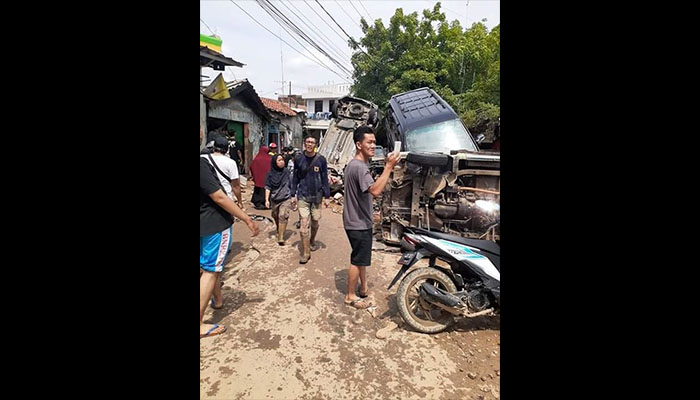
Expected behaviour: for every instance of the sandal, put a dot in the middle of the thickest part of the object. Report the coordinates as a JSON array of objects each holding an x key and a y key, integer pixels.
[
  {"x": 360, "y": 304},
  {"x": 214, "y": 331}
]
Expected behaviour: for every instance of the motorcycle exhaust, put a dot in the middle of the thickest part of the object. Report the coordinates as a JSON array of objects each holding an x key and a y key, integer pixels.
[
  {"x": 430, "y": 292},
  {"x": 448, "y": 302}
]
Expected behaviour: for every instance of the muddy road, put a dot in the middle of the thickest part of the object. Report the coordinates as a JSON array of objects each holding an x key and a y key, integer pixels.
[{"x": 290, "y": 336}]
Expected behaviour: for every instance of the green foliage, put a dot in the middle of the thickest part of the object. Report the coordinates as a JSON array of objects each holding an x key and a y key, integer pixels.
[{"x": 461, "y": 65}]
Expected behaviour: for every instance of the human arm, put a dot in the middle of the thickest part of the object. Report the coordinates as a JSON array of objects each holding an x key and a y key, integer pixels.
[
  {"x": 225, "y": 202},
  {"x": 324, "y": 182},
  {"x": 376, "y": 189},
  {"x": 236, "y": 188},
  {"x": 295, "y": 183}
]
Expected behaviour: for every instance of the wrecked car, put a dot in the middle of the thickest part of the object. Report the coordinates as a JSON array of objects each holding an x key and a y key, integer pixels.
[
  {"x": 336, "y": 145},
  {"x": 443, "y": 181}
]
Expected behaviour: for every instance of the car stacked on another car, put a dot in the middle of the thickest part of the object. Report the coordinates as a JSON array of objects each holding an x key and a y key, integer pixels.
[{"x": 445, "y": 182}]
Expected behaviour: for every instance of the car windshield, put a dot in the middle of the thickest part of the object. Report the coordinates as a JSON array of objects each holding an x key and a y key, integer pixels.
[
  {"x": 441, "y": 137},
  {"x": 378, "y": 151}
]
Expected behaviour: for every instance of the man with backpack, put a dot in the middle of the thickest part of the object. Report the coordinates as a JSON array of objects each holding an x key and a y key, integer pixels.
[{"x": 226, "y": 169}]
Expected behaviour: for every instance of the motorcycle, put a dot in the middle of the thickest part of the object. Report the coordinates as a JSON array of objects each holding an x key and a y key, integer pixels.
[{"x": 430, "y": 298}]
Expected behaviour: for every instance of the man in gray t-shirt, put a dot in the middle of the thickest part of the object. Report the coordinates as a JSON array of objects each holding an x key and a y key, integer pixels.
[
  {"x": 360, "y": 188},
  {"x": 357, "y": 213}
]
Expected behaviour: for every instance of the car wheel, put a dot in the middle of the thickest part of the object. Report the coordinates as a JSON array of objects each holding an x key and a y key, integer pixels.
[
  {"x": 334, "y": 110},
  {"x": 373, "y": 118}
]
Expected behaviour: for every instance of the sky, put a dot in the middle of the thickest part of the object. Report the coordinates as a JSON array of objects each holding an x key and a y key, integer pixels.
[{"x": 268, "y": 60}]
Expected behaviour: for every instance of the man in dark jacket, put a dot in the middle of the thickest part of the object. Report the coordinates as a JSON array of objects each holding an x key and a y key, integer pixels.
[{"x": 309, "y": 185}]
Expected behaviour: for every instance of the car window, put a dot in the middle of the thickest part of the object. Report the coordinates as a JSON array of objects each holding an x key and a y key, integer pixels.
[{"x": 441, "y": 137}]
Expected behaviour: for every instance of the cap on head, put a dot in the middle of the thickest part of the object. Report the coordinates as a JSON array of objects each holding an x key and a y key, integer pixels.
[{"x": 221, "y": 142}]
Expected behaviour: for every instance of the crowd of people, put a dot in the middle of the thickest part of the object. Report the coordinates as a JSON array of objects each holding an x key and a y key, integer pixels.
[{"x": 284, "y": 182}]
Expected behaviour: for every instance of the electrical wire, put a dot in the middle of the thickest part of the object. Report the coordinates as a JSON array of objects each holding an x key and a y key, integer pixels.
[
  {"x": 330, "y": 43},
  {"x": 285, "y": 42},
  {"x": 285, "y": 23}
]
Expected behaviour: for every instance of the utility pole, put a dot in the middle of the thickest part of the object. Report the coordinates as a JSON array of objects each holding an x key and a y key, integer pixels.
[
  {"x": 282, "y": 82},
  {"x": 290, "y": 94}
]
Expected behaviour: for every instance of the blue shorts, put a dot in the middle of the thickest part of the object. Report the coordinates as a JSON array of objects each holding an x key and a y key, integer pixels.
[{"x": 213, "y": 249}]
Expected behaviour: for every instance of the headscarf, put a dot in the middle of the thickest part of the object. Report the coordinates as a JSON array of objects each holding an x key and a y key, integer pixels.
[
  {"x": 277, "y": 175},
  {"x": 260, "y": 166}
]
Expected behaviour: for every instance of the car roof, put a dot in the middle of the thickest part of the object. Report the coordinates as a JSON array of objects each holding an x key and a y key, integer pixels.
[{"x": 420, "y": 107}]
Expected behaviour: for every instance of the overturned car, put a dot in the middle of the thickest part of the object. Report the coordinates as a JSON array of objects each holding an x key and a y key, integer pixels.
[
  {"x": 442, "y": 182},
  {"x": 337, "y": 145}
]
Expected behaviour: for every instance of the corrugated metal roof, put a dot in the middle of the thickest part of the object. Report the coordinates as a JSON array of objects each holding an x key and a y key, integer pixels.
[
  {"x": 217, "y": 61},
  {"x": 244, "y": 88}
]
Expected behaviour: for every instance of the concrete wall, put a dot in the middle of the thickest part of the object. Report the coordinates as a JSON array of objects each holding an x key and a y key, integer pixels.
[
  {"x": 235, "y": 109},
  {"x": 311, "y": 105},
  {"x": 294, "y": 124},
  {"x": 202, "y": 120}
]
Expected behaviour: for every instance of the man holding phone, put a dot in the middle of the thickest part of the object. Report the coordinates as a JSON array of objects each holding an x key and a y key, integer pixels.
[{"x": 360, "y": 189}]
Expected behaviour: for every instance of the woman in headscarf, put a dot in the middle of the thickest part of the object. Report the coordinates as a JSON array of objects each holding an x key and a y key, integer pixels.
[
  {"x": 278, "y": 194},
  {"x": 258, "y": 171}
]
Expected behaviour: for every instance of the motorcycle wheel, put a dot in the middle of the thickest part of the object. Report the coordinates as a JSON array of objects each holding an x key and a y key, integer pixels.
[{"x": 417, "y": 313}]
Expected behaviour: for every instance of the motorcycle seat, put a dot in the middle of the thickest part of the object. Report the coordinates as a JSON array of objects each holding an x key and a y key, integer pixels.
[{"x": 485, "y": 245}]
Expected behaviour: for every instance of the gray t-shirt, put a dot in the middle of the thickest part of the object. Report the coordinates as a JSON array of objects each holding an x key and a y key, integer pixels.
[{"x": 357, "y": 212}]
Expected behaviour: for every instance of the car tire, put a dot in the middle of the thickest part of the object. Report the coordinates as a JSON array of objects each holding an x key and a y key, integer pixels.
[
  {"x": 334, "y": 110},
  {"x": 373, "y": 117},
  {"x": 428, "y": 159}
]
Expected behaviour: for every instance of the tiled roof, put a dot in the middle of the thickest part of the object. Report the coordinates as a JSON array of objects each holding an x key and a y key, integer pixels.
[{"x": 278, "y": 106}]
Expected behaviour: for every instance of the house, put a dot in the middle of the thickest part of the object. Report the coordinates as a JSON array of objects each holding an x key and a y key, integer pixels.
[
  {"x": 212, "y": 59},
  {"x": 243, "y": 116},
  {"x": 286, "y": 126},
  {"x": 319, "y": 100},
  {"x": 293, "y": 101}
]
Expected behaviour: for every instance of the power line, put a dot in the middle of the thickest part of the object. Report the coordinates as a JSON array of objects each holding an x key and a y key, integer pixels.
[
  {"x": 354, "y": 42},
  {"x": 288, "y": 21},
  {"x": 285, "y": 22},
  {"x": 328, "y": 41},
  {"x": 346, "y": 13},
  {"x": 265, "y": 6},
  {"x": 448, "y": 9},
  {"x": 285, "y": 42},
  {"x": 336, "y": 22},
  {"x": 324, "y": 21},
  {"x": 363, "y": 7},
  {"x": 353, "y": 7},
  {"x": 205, "y": 24}
]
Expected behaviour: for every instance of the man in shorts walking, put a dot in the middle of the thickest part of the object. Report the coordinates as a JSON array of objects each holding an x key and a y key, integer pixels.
[
  {"x": 310, "y": 186},
  {"x": 360, "y": 188},
  {"x": 216, "y": 212}
]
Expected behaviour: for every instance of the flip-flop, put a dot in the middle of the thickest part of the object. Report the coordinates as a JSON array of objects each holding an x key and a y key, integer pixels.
[
  {"x": 360, "y": 304},
  {"x": 362, "y": 296},
  {"x": 211, "y": 332},
  {"x": 213, "y": 305}
]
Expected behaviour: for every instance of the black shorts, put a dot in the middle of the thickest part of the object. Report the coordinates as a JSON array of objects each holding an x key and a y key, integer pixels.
[{"x": 361, "y": 243}]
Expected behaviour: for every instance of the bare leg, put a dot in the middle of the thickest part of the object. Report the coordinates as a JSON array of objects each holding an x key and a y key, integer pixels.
[
  {"x": 353, "y": 274},
  {"x": 206, "y": 288},
  {"x": 363, "y": 280},
  {"x": 218, "y": 297}
]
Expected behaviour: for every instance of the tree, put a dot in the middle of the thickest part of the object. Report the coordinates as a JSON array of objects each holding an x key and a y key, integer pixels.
[{"x": 461, "y": 65}]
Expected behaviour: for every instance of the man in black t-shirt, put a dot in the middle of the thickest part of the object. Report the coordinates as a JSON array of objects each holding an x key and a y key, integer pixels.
[{"x": 216, "y": 212}]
